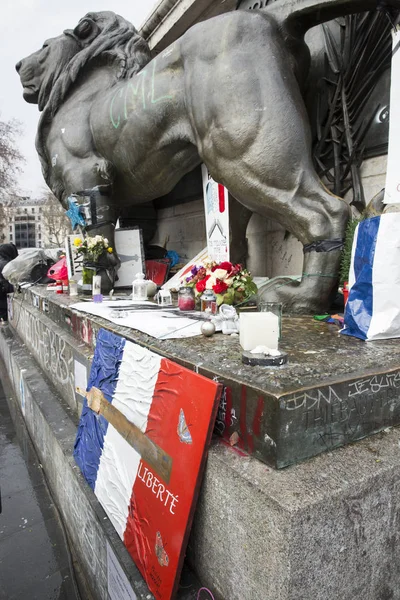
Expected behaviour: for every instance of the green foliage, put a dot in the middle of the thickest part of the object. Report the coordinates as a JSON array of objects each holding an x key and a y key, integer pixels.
[{"x": 346, "y": 253}]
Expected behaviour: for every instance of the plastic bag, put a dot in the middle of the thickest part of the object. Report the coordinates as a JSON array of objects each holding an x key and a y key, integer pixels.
[
  {"x": 373, "y": 307},
  {"x": 59, "y": 270},
  {"x": 31, "y": 265}
]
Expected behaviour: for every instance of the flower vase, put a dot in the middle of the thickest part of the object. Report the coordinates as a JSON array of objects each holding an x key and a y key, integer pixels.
[{"x": 87, "y": 280}]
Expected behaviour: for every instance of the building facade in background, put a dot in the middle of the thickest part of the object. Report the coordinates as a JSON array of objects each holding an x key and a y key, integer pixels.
[{"x": 33, "y": 222}]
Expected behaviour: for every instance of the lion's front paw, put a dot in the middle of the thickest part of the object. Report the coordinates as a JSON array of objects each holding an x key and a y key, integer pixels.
[{"x": 293, "y": 293}]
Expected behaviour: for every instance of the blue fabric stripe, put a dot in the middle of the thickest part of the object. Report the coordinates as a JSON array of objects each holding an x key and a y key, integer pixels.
[
  {"x": 359, "y": 308},
  {"x": 93, "y": 428}
]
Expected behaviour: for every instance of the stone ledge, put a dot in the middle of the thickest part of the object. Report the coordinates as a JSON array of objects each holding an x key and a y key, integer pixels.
[{"x": 330, "y": 394}]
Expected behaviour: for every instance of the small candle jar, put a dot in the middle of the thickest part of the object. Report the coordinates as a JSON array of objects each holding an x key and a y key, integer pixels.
[
  {"x": 73, "y": 287},
  {"x": 209, "y": 302},
  {"x": 96, "y": 285},
  {"x": 186, "y": 299}
]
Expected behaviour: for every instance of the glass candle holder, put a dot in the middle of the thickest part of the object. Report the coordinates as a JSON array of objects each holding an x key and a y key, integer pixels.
[
  {"x": 272, "y": 307},
  {"x": 96, "y": 288},
  {"x": 139, "y": 287},
  {"x": 186, "y": 299},
  {"x": 209, "y": 302}
]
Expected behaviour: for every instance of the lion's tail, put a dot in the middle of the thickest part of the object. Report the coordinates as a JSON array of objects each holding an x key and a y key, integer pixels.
[{"x": 295, "y": 17}]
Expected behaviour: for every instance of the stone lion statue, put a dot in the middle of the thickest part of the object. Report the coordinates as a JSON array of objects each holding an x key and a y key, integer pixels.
[{"x": 124, "y": 128}]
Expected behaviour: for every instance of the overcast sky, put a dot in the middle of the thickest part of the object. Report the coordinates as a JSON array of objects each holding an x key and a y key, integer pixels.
[{"x": 24, "y": 26}]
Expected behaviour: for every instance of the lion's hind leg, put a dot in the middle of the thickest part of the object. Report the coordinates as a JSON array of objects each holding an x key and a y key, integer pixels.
[
  {"x": 316, "y": 218},
  {"x": 319, "y": 223}
]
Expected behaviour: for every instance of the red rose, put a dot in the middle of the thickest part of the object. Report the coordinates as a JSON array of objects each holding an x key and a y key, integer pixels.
[
  {"x": 236, "y": 269},
  {"x": 226, "y": 265},
  {"x": 220, "y": 287},
  {"x": 201, "y": 285}
]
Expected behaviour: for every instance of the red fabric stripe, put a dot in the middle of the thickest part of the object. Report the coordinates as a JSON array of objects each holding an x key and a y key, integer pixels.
[
  {"x": 156, "y": 532},
  {"x": 221, "y": 198}
]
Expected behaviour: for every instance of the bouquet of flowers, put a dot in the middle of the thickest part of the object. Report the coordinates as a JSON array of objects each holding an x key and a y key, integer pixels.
[
  {"x": 232, "y": 284},
  {"x": 92, "y": 248}
]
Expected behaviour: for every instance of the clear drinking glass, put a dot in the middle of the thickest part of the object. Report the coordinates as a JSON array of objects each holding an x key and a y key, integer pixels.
[{"x": 275, "y": 308}]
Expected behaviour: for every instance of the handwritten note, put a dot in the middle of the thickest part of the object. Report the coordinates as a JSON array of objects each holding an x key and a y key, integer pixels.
[{"x": 119, "y": 587}]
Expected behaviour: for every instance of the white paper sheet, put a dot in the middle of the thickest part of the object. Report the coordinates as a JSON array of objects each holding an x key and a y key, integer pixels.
[{"x": 161, "y": 324}]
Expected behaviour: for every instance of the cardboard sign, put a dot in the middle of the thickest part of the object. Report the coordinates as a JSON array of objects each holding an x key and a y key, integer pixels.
[
  {"x": 74, "y": 260},
  {"x": 176, "y": 281},
  {"x": 142, "y": 448},
  {"x": 129, "y": 247},
  {"x": 216, "y": 204}
]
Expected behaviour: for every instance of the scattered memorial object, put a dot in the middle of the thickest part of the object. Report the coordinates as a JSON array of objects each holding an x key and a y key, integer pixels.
[
  {"x": 73, "y": 287},
  {"x": 139, "y": 287},
  {"x": 94, "y": 250},
  {"x": 272, "y": 307},
  {"x": 164, "y": 298},
  {"x": 97, "y": 295},
  {"x": 216, "y": 208},
  {"x": 31, "y": 266},
  {"x": 229, "y": 319},
  {"x": 141, "y": 445},
  {"x": 264, "y": 357},
  {"x": 186, "y": 299},
  {"x": 157, "y": 270},
  {"x": 129, "y": 247},
  {"x": 151, "y": 288},
  {"x": 208, "y": 328},
  {"x": 259, "y": 329},
  {"x": 231, "y": 284},
  {"x": 208, "y": 302}
]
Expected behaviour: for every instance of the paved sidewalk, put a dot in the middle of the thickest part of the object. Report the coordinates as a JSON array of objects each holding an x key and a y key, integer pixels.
[{"x": 34, "y": 560}]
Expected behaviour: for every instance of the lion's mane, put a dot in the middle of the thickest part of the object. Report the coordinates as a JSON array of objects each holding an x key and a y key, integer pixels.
[{"x": 118, "y": 42}]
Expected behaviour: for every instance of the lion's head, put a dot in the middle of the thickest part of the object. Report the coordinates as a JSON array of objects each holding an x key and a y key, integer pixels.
[
  {"x": 48, "y": 74},
  {"x": 40, "y": 71}
]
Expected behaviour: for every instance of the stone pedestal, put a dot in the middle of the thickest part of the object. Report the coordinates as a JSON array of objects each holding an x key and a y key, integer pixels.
[
  {"x": 334, "y": 389},
  {"x": 325, "y": 529}
]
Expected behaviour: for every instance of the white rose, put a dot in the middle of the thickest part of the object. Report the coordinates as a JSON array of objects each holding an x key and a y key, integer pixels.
[
  {"x": 220, "y": 274},
  {"x": 212, "y": 280}
]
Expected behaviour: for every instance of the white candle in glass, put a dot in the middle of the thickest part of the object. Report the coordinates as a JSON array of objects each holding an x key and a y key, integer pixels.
[{"x": 259, "y": 329}]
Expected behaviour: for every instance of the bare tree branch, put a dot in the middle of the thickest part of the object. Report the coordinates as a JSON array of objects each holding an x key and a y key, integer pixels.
[{"x": 10, "y": 156}]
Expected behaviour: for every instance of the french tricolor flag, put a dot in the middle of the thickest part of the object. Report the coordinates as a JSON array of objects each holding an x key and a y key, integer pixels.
[
  {"x": 143, "y": 452},
  {"x": 373, "y": 308}
]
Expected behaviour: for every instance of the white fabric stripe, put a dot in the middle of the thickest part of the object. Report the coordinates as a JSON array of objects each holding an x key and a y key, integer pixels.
[
  {"x": 138, "y": 375},
  {"x": 385, "y": 322},
  {"x": 352, "y": 277},
  {"x": 119, "y": 462},
  {"x": 118, "y": 468}
]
